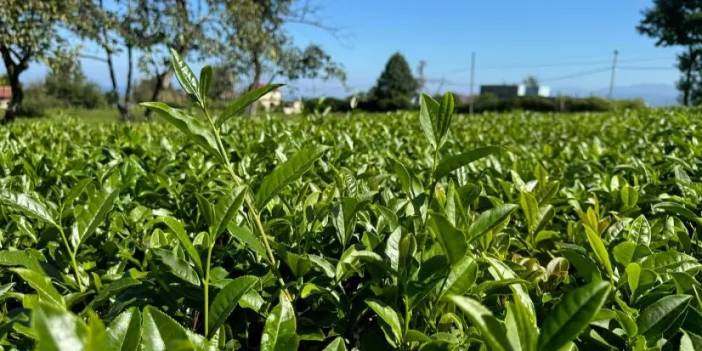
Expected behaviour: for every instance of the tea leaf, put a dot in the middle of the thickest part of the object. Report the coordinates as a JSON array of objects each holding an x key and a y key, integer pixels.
[
  {"x": 227, "y": 299},
  {"x": 454, "y": 162},
  {"x": 124, "y": 333},
  {"x": 570, "y": 317},
  {"x": 279, "y": 332},
  {"x": 287, "y": 172},
  {"x": 491, "y": 329}
]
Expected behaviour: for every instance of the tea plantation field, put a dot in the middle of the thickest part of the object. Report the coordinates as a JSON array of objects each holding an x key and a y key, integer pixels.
[{"x": 512, "y": 231}]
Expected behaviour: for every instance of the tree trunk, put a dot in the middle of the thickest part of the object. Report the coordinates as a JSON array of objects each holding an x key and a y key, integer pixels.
[
  {"x": 258, "y": 72},
  {"x": 123, "y": 112},
  {"x": 128, "y": 88},
  {"x": 688, "y": 78},
  {"x": 162, "y": 83},
  {"x": 15, "y": 105},
  {"x": 13, "y": 71}
]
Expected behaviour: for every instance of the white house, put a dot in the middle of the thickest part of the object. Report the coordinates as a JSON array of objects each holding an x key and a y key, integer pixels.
[
  {"x": 508, "y": 91},
  {"x": 293, "y": 109},
  {"x": 271, "y": 100}
]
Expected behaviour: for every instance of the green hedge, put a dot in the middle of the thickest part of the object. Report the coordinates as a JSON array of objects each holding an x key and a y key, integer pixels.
[{"x": 490, "y": 103}]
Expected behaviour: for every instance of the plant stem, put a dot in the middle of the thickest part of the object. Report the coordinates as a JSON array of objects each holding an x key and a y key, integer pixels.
[
  {"x": 247, "y": 198},
  {"x": 206, "y": 287},
  {"x": 253, "y": 211},
  {"x": 73, "y": 257}
]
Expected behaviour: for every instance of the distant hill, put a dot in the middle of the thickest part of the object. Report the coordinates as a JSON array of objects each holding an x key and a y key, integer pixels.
[{"x": 653, "y": 94}]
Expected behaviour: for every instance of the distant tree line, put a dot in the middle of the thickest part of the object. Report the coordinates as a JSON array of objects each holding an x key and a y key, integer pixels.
[
  {"x": 247, "y": 39},
  {"x": 489, "y": 103},
  {"x": 397, "y": 89}
]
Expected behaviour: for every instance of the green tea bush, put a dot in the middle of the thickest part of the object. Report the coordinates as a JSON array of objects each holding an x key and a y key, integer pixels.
[{"x": 409, "y": 231}]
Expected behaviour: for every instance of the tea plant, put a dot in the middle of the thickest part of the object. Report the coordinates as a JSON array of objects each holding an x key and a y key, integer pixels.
[{"x": 428, "y": 232}]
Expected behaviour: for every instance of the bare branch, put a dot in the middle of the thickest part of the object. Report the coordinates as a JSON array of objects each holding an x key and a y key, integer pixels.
[{"x": 92, "y": 57}]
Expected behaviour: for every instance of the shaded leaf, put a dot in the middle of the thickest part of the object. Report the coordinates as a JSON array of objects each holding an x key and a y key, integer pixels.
[
  {"x": 42, "y": 284},
  {"x": 227, "y": 299},
  {"x": 491, "y": 329},
  {"x": 179, "y": 230},
  {"x": 193, "y": 128},
  {"x": 280, "y": 330},
  {"x": 287, "y": 172},
  {"x": 390, "y": 317},
  {"x": 177, "y": 266},
  {"x": 599, "y": 249},
  {"x": 489, "y": 220},
  {"x": 453, "y": 162},
  {"x": 451, "y": 239},
  {"x": 205, "y": 82},
  {"x": 226, "y": 208},
  {"x": 656, "y": 318},
  {"x": 572, "y": 314},
  {"x": 461, "y": 277},
  {"x": 160, "y": 333},
  {"x": 336, "y": 345}
]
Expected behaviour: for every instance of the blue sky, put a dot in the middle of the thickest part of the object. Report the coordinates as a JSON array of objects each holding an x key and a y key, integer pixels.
[{"x": 511, "y": 38}]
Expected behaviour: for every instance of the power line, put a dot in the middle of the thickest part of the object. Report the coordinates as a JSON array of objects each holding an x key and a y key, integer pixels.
[
  {"x": 563, "y": 64},
  {"x": 578, "y": 74},
  {"x": 648, "y": 68},
  {"x": 613, "y": 66},
  {"x": 552, "y": 79}
]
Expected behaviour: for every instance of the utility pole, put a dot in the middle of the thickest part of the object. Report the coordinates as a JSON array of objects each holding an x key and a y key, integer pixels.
[
  {"x": 420, "y": 73},
  {"x": 441, "y": 85},
  {"x": 422, "y": 79},
  {"x": 611, "y": 80},
  {"x": 472, "y": 80}
]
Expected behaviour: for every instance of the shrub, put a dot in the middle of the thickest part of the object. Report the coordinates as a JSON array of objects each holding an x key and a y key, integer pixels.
[
  {"x": 486, "y": 102},
  {"x": 535, "y": 103},
  {"x": 36, "y": 101},
  {"x": 72, "y": 89},
  {"x": 335, "y": 104},
  {"x": 592, "y": 104}
]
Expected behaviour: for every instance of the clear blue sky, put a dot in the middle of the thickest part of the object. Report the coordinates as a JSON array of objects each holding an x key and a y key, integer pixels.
[{"x": 512, "y": 39}]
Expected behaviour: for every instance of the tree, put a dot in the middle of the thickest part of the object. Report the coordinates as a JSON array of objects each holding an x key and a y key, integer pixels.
[
  {"x": 144, "y": 89},
  {"x": 396, "y": 86},
  {"x": 123, "y": 26},
  {"x": 223, "y": 80},
  {"x": 678, "y": 23},
  {"x": 256, "y": 39},
  {"x": 186, "y": 26},
  {"x": 531, "y": 82},
  {"x": 28, "y": 32},
  {"x": 67, "y": 83}
]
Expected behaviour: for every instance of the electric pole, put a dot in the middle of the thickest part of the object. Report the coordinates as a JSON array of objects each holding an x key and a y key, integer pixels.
[
  {"x": 420, "y": 73},
  {"x": 472, "y": 80},
  {"x": 611, "y": 80},
  {"x": 441, "y": 85},
  {"x": 421, "y": 79}
]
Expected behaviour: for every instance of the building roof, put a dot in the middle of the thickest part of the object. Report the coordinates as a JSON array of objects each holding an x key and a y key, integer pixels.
[{"x": 5, "y": 92}]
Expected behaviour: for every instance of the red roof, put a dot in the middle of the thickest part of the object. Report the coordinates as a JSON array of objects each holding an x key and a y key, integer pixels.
[{"x": 5, "y": 92}]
